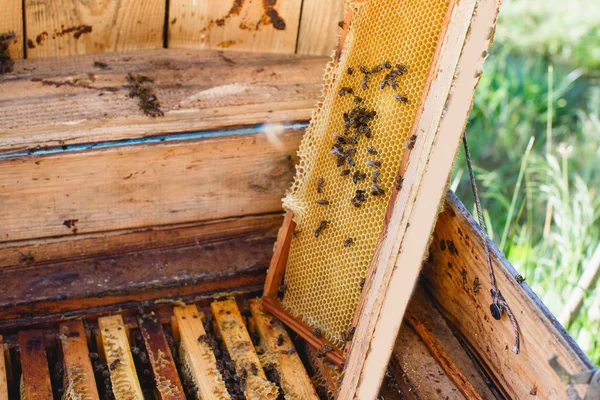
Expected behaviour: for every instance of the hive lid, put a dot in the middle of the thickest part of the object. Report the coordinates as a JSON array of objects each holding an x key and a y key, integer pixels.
[{"x": 374, "y": 164}]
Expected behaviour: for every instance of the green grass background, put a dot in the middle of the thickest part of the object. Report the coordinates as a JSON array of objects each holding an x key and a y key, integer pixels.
[{"x": 534, "y": 135}]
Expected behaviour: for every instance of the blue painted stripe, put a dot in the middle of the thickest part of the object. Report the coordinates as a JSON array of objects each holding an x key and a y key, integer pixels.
[{"x": 146, "y": 140}]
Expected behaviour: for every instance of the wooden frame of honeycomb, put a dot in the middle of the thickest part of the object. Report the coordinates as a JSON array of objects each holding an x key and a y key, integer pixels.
[{"x": 467, "y": 31}]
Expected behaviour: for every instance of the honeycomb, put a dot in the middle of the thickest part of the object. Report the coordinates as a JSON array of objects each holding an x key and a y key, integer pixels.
[{"x": 323, "y": 275}]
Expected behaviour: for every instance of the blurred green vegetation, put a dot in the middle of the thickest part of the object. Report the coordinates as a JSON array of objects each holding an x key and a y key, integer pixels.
[{"x": 534, "y": 135}]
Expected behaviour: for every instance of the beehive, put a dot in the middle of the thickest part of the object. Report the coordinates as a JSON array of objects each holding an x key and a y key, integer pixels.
[{"x": 323, "y": 275}]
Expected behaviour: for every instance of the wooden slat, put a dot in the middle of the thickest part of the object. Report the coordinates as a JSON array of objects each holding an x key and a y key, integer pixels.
[
  {"x": 34, "y": 364},
  {"x": 166, "y": 377},
  {"x": 198, "y": 360},
  {"x": 80, "y": 382},
  {"x": 197, "y": 90},
  {"x": 457, "y": 259},
  {"x": 11, "y": 21},
  {"x": 280, "y": 255},
  {"x": 319, "y": 27},
  {"x": 230, "y": 325},
  {"x": 259, "y": 26},
  {"x": 439, "y": 123},
  {"x": 3, "y": 374},
  {"x": 65, "y": 27},
  {"x": 138, "y": 186},
  {"x": 278, "y": 346},
  {"x": 123, "y": 376}
]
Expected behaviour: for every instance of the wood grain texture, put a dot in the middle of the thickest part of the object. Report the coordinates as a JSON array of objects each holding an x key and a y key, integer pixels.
[
  {"x": 123, "y": 376},
  {"x": 197, "y": 90},
  {"x": 166, "y": 377},
  {"x": 439, "y": 124},
  {"x": 457, "y": 259},
  {"x": 254, "y": 25},
  {"x": 66, "y": 27},
  {"x": 139, "y": 186},
  {"x": 198, "y": 360},
  {"x": 79, "y": 373},
  {"x": 34, "y": 363},
  {"x": 3, "y": 375},
  {"x": 319, "y": 27},
  {"x": 236, "y": 338},
  {"x": 280, "y": 255},
  {"x": 11, "y": 21},
  {"x": 293, "y": 379}
]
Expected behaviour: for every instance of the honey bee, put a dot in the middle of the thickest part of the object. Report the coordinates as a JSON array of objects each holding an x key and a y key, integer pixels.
[
  {"x": 340, "y": 139},
  {"x": 476, "y": 285},
  {"x": 348, "y": 334},
  {"x": 358, "y": 176},
  {"x": 291, "y": 350},
  {"x": 401, "y": 98},
  {"x": 376, "y": 69},
  {"x": 348, "y": 242},
  {"x": 317, "y": 332},
  {"x": 375, "y": 175},
  {"x": 327, "y": 348},
  {"x": 374, "y": 163},
  {"x": 410, "y": 143},
  {"x": 358, "y": 99},
  {"x": 282, "y": 288},
  {"x": 385, "y": 82},
  {"x": 371, "y": 150},
  {"x": 377, "y": 190},
  {"x": 319, "y": 354},
  {"x": 341, "y": 24},
  {"x": 113, "y": 365},
  {"x": 363, "y": 69},
  {"x": 350, "y": 161},
  {"x": 350, "y": 71},
  {"x": 280, "y": 340},
  {"x": 26, "y": 258},
  {"x": 401, "y": 68},
  {"x": 295, "y": 233},
  {"x": 399, "y": 182},
  {"x": 365, "y": 83},
  {"x": 362, "y": 282},
  {"x": 345, "y": 90},
  {"x": 519, "y": 278},
  {"x": 345, "y": 172},
  {"x": 371, "y": 114},
  {"x": 254, "y": 369},
  {"x": 320, "y": 183},
  {"x": 322, "y": 226},
  {"x": 387, "y": 65},
  {"x": 323, "y": 202}
]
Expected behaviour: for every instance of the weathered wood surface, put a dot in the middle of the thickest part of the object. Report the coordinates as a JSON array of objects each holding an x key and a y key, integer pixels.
[
  {"x": 75, "y": 285},
  {"x": 34, "y": 363},
  {"x": 319, "y": 27},
  {"x": 66, "y": 27},
  {"x": 123, "y": 376},
  {"x": 196, "y": 355},
  {"x": 139, "y": 186},
  {"x": 70, "y": 101},
  {"x": 11, "y": 21},
  {"x": 259, "y": 26},
  {"x": 279, "y": 350},
  {"x": 166, "y": 377},
  {"x": 3, "y": 374},
  {"x": 464, "y": 39},
  {"x": 457, "y": 259},
  {"x": 236, "y": 338},
  {"x": 79, "y": 373}
]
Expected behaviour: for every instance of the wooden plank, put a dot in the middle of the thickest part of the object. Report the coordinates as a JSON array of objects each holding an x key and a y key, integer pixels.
[
  {"x": 79, "y": 374},
  {"x": 35, "y": 378},
  {"x": 275, "y": 307},
  {"x": 280, "y": 255},
  {"x": 230, "y": 325},
  {"x": 411, "y": 214},
  {"x": 424, "y": 318},
  {"x": 280, "y": 351},
  {"x": 66, "y": 27},
  {"x": 258, "y": 26},
  {"x": 11, "y": 21},
  {"x": 123, "y": 376},
  {"x": 3, "y": 374},
  {"x": 319, "y": 27},
  {"x": 457, "y": 259},
  {"x": 194, "y": 270},
  {"x": 197, "y": 90},
  {"x": 197, "y": 358},
  {"x": 198, "y": 180},
  {"x": 166, "y": 377}
]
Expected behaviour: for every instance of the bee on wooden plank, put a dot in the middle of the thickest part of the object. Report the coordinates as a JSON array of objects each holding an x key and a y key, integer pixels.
[
  {"x": 327, "y": 348},
  {"x": 320, "y": 183},
  {"x": 323, "y": 202},
  {"x": 374, "y": 163},
  {"x": 402, "y": 98},
  {"x": 341, "y": 24},
  {"x": 476, "y": 285},
  {"x": 519, "y": 278},
  {"x": 26, "y": 258},
  {"x": 362, "y": 282},
  {"x": 399, "y": 182},
  {"x": 348, "y": 334},
  {"x": 320, "y": 228},
  {"x": 113, "y": 365},
  {"x": 317, "y": 332},
  {"x": 410, "y": 143},
  {"x": 348, "y": 242}
]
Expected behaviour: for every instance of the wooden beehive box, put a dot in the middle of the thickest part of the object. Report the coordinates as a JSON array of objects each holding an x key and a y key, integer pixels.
[{"x": 141, "y": 178}]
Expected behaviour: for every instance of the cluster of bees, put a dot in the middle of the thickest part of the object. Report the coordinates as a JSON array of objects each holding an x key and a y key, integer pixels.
[
  {"x": 102, "y": 372},
  {"x": 148, "y": 101}
]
